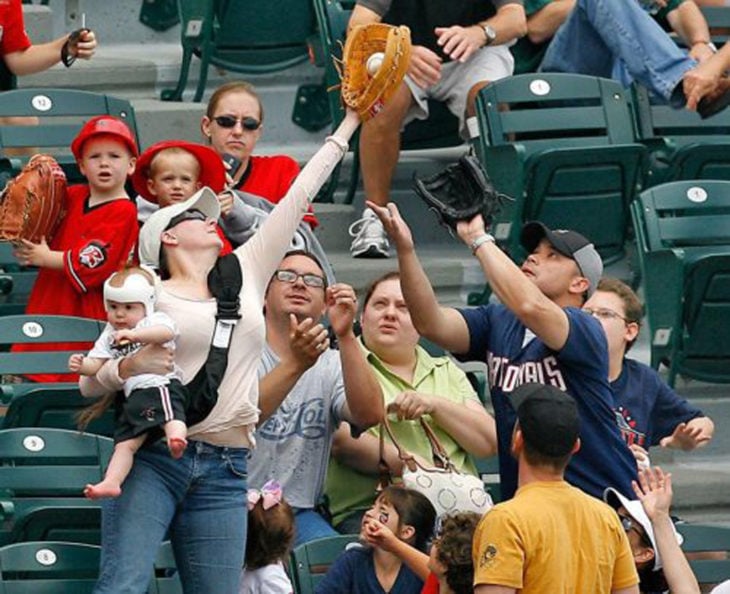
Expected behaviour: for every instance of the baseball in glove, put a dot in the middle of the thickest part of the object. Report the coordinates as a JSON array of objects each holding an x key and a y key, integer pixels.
[
  {"x": 375, "y": 60},
  {"x": 32, "y": 204},
  {"x": 461, "y": 192}
]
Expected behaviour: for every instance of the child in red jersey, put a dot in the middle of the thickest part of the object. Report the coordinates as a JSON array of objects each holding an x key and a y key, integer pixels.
[
  {"x": 96, "y": 237},
  {"x": 172, "y": 171}
]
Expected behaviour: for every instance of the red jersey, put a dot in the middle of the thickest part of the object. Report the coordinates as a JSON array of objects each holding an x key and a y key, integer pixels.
[
  {"x": 431, "y": 586},
  {"x": 271, "y": 177},
  {"x": 13, "y": 37},
  {"x": 95, "y": 242}
]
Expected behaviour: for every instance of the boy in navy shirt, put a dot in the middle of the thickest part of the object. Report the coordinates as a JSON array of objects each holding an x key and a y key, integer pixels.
[{"x": 648, "y": 411}]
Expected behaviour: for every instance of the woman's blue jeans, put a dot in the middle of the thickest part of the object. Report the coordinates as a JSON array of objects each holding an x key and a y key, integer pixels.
[{"x": 199, "y": 499}]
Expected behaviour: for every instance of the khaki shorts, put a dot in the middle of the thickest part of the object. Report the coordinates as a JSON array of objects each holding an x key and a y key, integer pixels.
[{"x": 457, "y": 78}]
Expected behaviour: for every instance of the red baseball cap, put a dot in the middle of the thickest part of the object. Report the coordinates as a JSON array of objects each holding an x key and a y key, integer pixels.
[
  {"x": 212, "y": 170},
  {"x": 104, "y": 124}
]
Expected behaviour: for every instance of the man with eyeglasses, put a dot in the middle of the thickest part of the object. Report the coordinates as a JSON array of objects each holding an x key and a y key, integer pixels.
[
  {"x": 307, "y": 388},
  {"x": 648, "y": 411},
  {"x": 551, "y": 537}
]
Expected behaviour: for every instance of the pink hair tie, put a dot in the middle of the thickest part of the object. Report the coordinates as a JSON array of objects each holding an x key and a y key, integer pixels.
[{"x": 270, "y": 495}]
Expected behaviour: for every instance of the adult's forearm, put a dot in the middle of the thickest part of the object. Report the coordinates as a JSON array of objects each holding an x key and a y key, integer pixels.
[
  {"x": 275, "y": 386},
  {"x": 474, "y": 430},
  {"x": 36, "y": 58},
  {"x": 362, "y": 389}
]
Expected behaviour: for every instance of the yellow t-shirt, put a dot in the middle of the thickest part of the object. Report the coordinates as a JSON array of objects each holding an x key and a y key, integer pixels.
[
  {"x": 552, "y": 537},
  {"x": 349, "y": 490}
]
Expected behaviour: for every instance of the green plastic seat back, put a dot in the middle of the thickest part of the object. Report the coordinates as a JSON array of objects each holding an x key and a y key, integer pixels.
[
  {"x": 61, "y": 114},
  {"x": 563, "y": 146},
  {"x": 683, "y": 238},
  {"x": 42, "y": 329},
  {"x": 36, "y": 461},
  {"x": 308, "y": 563},
  {"x": 718, "y": 21},
  {"x": 15, "y": 282},
  {"x": 707, "y": 538},
  {"x": 54, "y": 406},
  {"x": 683, "y": 145},
  {"x": 689, "y": 215}
]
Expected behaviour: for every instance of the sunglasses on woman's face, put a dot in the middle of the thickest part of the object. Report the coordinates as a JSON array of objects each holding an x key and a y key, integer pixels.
[
  {"x": 189, "y": 215},
  {"x": 248, "y": 123}
]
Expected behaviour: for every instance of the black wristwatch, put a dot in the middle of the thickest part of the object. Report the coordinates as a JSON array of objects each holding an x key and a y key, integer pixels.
[{"x": 490, "y": 34}]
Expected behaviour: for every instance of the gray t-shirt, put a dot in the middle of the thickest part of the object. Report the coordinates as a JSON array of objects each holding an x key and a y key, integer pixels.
[{"x": 293, "y": 445}]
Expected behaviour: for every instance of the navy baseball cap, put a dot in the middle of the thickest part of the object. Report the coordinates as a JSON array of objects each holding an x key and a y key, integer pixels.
[
  {"x": 569, "y": 243},
  {"x": 548, "y": 418}
]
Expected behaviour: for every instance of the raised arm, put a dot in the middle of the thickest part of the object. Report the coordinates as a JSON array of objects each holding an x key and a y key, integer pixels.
[
  {"x": 654, "y": 490},
  {"x": 42, "y": 56},
  {"x": 364, "y": 406},
  {"x": 536, "y": 311},
  {"x": 443, "y": 325}
]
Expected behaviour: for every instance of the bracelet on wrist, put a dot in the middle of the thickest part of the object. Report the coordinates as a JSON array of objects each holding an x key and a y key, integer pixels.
[{"x": 480, "y": 241}]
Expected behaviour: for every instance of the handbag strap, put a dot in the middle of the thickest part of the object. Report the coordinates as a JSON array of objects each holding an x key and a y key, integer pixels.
[
  {"x": 437, "y": 447},
  {"x": 386, "y": 474}
]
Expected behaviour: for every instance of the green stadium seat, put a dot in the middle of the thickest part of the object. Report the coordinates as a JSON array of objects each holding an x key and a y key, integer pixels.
[
  {"x": 40, "y": 329},
  {"x": 488, "y": 470},
  {"x": 439, "y": 130},
  {"x": 63, "y": 567},
  {"x": 683, "y": 242},
  {"x": 681, "y": 143},
  {"x": 308, "y": 563},
  {"x": 563, "y": 146},
  {"x": 248, "y": 37},
  {"x": 47, "y": 405},
  {"x": 61, "y": 113},
  {"x": 700, "y": 538}
]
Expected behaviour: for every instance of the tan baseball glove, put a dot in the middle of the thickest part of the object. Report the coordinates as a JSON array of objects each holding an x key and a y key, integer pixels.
[
  {"x": 32, "y": 204},
  {"x": 375, "y": 60}
]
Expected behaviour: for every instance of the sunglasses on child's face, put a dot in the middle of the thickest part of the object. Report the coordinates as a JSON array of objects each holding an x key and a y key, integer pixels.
[
  {"x": 248, "y": 123},
  {"x": 189, "y": 215}
]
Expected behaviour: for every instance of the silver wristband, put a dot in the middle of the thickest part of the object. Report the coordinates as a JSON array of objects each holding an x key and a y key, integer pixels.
[{"x": 480, "y": 241}]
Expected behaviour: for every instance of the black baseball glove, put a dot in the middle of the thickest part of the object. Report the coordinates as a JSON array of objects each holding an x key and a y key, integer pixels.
[{"x": 460, "y": 192}]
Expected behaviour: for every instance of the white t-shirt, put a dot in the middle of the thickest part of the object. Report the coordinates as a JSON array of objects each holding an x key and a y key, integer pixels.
[
  {"x": 271, "y": 579},
  {"x": 723, "y": 588},
  {"x": 104, "y": 348}
]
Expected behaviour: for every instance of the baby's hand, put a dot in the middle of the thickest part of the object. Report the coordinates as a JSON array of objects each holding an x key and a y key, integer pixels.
[
  {"x": 225, "y": 200},
  {"x": 123, "y": 336},
  {"x": 75, "y": 362}
]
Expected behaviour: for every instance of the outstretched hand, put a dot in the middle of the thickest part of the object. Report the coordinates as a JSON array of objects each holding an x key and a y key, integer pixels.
[
  {"x": 468, "y": 231},
  {"x": 308, "y": 341},
  {"x": 394, "y": 225},
  {"x": 341, "y": 308},
  {"x": 686, "y": 437},
  {"x": 377, "y": 534},
  {"x": 654, "y": 490}
]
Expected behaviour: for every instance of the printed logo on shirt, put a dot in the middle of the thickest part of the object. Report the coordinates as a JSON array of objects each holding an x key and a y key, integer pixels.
[
  {"x": 93, "y": 255},
  {"x": 307, "y": 420},
  {"x": 148, "y": 414},
  {"x": 627, "y": 425},
  {"x": 508, "y": 376},
  {"x": 488, "y": 556}
]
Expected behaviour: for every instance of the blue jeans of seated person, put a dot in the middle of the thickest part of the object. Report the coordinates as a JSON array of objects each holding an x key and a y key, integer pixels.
[
  {"x": 618, "y": 39},
  {"x": 310, "y": 526},
  {"x": 200, "y": 498}
]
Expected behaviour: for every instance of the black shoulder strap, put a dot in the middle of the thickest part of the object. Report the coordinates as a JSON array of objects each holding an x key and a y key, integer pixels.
[{"x": 225, "y": 282}]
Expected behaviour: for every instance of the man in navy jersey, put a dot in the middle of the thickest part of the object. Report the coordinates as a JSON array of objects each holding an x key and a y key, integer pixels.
[
  {"x": 648, "y": 411},
  {"x": 537, "y": 334}
]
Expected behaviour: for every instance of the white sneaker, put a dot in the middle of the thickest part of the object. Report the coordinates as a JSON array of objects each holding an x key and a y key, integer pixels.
[{"x": 370, "y": 239}]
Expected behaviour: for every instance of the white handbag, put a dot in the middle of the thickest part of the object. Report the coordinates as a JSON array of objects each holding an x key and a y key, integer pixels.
[{"x": 448, "y": 489}]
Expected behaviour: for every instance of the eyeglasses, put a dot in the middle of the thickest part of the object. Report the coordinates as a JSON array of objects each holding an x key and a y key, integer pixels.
[
  {"x": 189, "y": 215},
  {"x": 628, "y": 524},
  {"x": 248, "y": 123},
  {"x": 290, "y": 276},
  {"x": 603, "y": 313}
]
